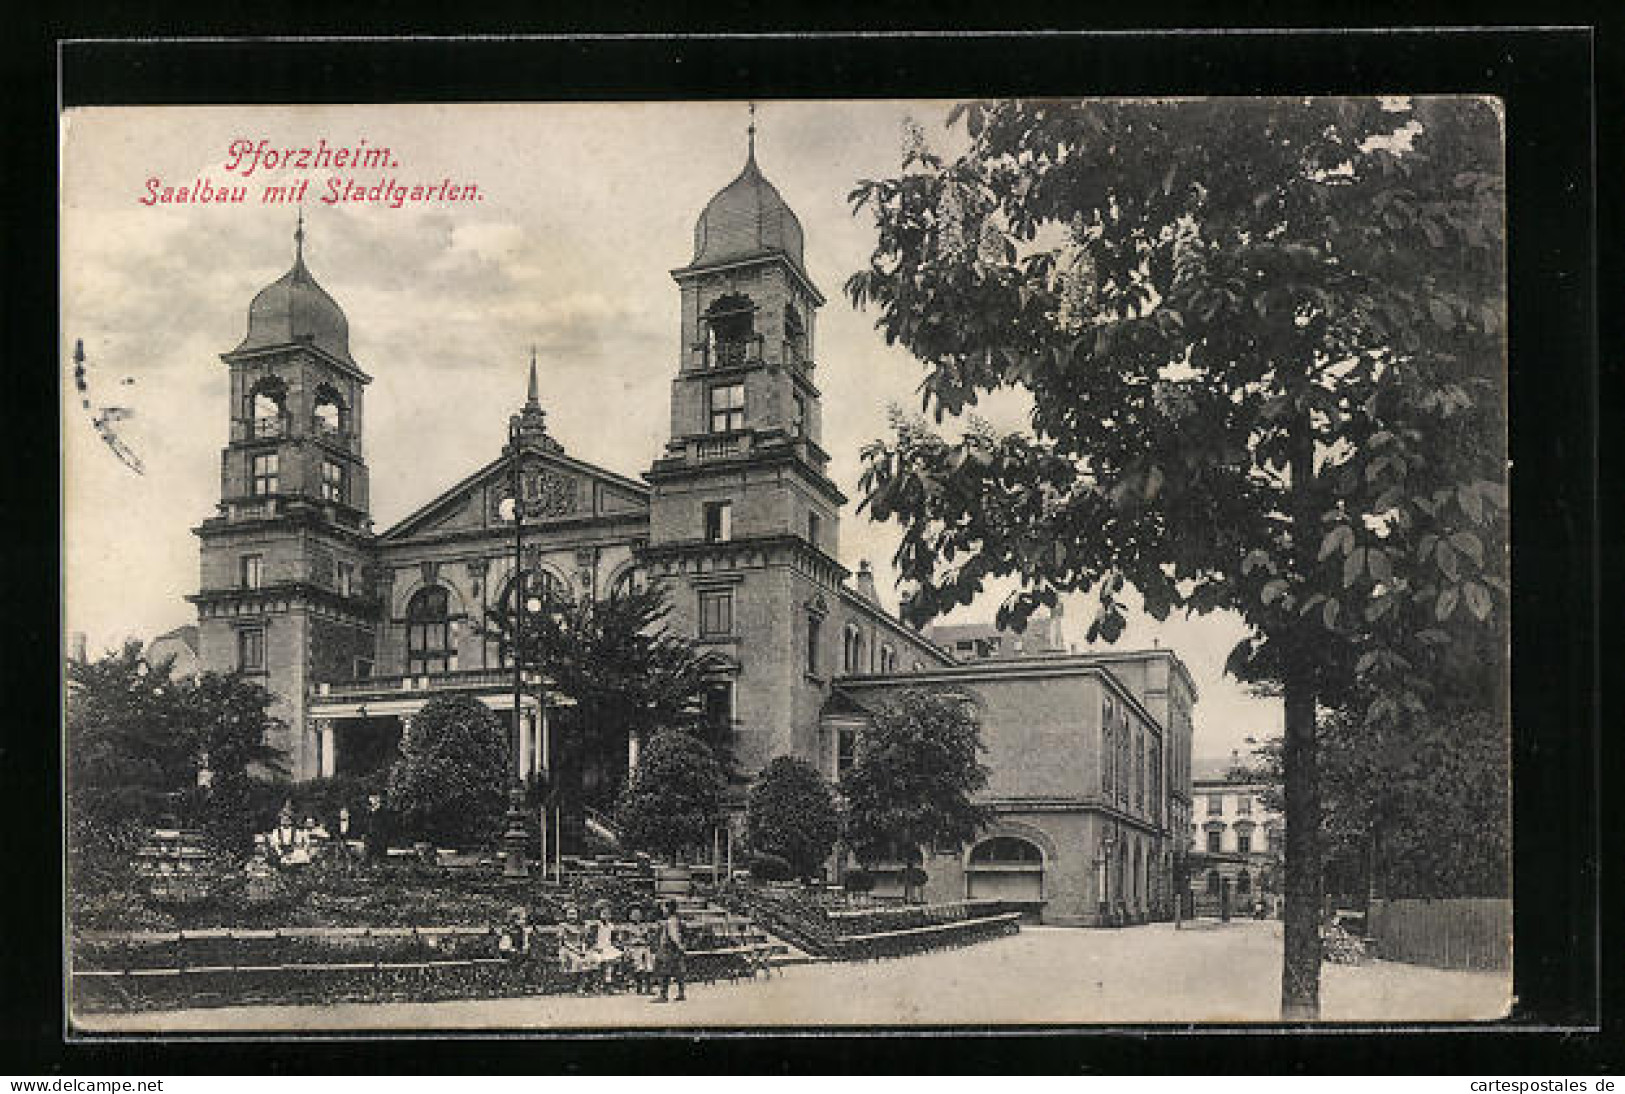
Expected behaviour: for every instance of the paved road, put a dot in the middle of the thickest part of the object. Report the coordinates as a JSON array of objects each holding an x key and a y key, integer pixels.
[{"x": 1150, "y": 974}]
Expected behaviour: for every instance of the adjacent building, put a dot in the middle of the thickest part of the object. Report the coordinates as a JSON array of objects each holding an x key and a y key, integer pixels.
[
  {"x": 1236, "y": 838},
  {"x": 355, "y": 629}
]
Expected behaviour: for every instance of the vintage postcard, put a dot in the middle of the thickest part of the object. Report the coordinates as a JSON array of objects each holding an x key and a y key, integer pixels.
[{"x": 785, "y": 564}]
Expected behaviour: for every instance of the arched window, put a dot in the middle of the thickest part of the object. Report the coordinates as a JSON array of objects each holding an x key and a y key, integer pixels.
[
  {"x": 428, "y": 632},
  {"x": 852, "y": 650},
  {"x": 730, "y": 323},
  {"x": 328, "y": 416},
  {"x": 544, "y": 589},
  {"x": 1006, "y": 850},
  {"x": 267, "y": 407},
  {"x": 888, "y": 658},
  {"x": 633, "y": 579},
  {"x": 795, "y": 337}
]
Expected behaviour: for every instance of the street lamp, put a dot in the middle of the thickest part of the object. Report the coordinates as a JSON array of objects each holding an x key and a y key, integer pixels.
[
  {"x": 515, "y": 838},
  {"x": 1103, "y": 865}
]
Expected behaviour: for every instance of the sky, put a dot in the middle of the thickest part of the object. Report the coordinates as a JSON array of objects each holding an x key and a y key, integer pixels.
[{"x": 584, "y": 210}]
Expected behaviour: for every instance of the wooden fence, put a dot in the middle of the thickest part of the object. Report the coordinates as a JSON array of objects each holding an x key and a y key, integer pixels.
[{"x": 1450, "y": 934}]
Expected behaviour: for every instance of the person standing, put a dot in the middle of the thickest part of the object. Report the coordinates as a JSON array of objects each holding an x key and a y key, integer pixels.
[
  {"x": 671, "y": 955},
  {"x": 638, "y": 940}
]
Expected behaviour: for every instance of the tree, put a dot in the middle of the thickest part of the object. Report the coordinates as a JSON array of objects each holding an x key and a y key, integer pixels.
[
  {"x": 621, "y": 671},
  {"x": 449, "y": 784},
  {"x": 791, "y": 813},
  {"x": 129, "y": 749},
  {"x": 1414, "y": 808},
  {"x": 673, "y": 802},
  {"x": 1264, "y": 347},
  {"x": 914, "y": 778},
  {"x": 229, "y": 725}
]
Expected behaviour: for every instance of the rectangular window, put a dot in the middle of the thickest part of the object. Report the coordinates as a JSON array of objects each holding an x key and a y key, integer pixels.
[
  {"x": 332, "y": 481},
  {"x": 1244, "y": 803},
  {"x": 363, "y": 668},
  {"x": 716, "y": 613},
  {"x": 1213, "y": 838},
  {"x": 798, "y": 424},
  {"x": 264, "y": 475},
  {"x": 344, "y": 578},
  {"x": 1215, "y": 804},
  {"x": 846, "y": 750},
  {"x": 727, "y": 408},
  {"x": 814, "y": 527},
  {"x": 719, "y": 709},
  {"x": 251, "y": 649},
  {"x": 719, "y": 524},
  {"x": 1244, "y": 842},
  {"x": 251, "y": 571},
  {"x": 812, "y": 644}
]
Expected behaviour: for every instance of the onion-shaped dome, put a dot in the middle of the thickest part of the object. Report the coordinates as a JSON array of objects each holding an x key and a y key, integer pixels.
[
  {"x": 747, "y": 218},
  {"x": 294, "y": 309}
]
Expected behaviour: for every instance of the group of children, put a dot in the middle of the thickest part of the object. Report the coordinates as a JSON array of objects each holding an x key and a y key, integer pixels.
[{"x": 603, "y": 954}]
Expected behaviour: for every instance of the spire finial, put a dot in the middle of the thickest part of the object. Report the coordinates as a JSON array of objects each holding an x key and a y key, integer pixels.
[
  {"x": 299, "y": 237},
  {"x": 750, "y": 133},
  {"x": 532, "y": 398}
]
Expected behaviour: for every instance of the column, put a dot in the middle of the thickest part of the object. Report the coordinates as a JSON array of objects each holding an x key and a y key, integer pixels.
[
  {"x": 328, "y": 749},
  {"x": 546, "y": 764},
  {"x": 522, "y": 734},
  {"x": 633, "y": 745}
]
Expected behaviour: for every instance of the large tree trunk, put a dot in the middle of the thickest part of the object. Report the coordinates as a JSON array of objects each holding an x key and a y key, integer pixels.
[{"x": 1300, "y": 961}]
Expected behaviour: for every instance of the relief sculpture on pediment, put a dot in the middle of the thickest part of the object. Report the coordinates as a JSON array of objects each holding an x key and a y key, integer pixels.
[{"x": 547, "y": 494}]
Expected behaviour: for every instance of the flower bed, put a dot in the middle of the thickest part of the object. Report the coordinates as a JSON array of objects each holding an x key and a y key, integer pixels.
[{"x": 802, "y": 918}]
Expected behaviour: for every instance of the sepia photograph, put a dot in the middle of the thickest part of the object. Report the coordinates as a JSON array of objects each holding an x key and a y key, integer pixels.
[{"x": 785, "y": 564}]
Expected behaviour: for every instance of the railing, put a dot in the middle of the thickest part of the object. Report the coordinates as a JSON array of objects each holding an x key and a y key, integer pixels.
[
  {"x": 462, "y": 680},
  {"x": 719, "y": 447}
]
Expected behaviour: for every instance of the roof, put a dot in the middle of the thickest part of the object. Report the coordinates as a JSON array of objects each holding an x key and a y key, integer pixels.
[
  {"x": 295, "y": 310},
  {"x": 747, "y": 217},
  {"x": 186, "y": 635}
]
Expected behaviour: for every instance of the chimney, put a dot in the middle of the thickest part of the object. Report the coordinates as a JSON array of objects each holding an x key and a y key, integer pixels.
[
  {"x": 76, "y": 645},
  {"x": 866, "y": 583}
]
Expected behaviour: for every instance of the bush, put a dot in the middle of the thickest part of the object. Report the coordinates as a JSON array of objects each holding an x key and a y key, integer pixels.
[
  {"x": 449, "y": 785},
  {"x": 674, "y": 800},
  {"x": 770, "y": 867},
  {"x": 791, "y": 815},
  {"x": 859, "y": 881}
]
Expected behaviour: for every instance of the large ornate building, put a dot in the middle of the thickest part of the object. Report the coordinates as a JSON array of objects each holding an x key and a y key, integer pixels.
[{"x": 354, "y": 630}]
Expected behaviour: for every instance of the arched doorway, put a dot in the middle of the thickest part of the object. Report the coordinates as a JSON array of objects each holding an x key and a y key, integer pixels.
[{"x": 1005, "y": 868}]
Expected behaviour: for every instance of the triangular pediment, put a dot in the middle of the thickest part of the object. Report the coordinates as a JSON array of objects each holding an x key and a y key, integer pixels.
[{"x": 556, "y": 489}]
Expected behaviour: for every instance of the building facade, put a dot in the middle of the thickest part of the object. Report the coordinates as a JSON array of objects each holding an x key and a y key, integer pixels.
[
  {"x": 1237, "y": 840},
  {"x": 736, "y": 517}
]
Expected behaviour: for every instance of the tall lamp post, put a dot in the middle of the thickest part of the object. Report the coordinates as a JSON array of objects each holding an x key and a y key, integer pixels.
[{"x": 515, "y": 838}]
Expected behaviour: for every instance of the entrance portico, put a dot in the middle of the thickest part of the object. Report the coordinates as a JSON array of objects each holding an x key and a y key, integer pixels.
[{"x": 340, "y": 714}]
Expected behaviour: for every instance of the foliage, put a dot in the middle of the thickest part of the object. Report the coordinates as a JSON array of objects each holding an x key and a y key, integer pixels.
[
  {"x": 615, "y": 659},
  {"x": 791, "y": 814},
  {"x": 450, "y": 783},
  {"x": 138, "y": 738},
  {"x": 914, "y": 776},
  {"x": 766, "y": 866},
  {"x": 129, "y": 746},
  {"x": 674, "y": 799},
  {"x": 230, "y": 723},
  {"x": 1264, "y": 347},
  {"x": 1424, "y": 803}
]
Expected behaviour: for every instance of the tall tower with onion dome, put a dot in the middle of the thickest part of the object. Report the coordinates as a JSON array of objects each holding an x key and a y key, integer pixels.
[
  {"x": 743, "y": 518},
  {"x": 285, "y": 593}
]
